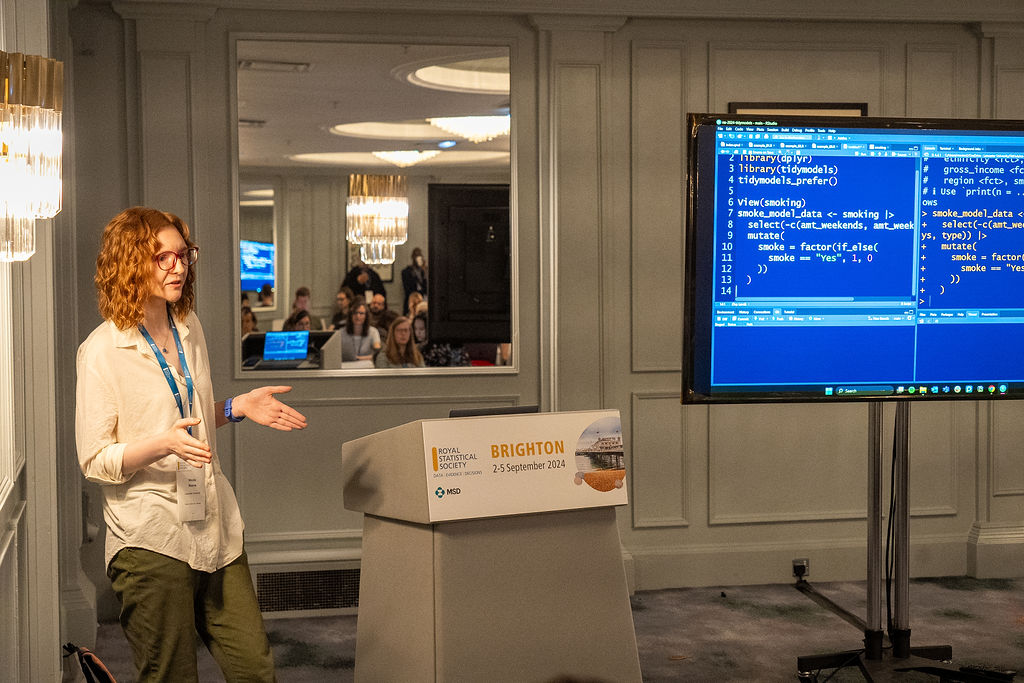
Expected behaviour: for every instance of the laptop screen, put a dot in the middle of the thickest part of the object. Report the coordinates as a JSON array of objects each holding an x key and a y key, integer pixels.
[{"x": 286, "y": 345}]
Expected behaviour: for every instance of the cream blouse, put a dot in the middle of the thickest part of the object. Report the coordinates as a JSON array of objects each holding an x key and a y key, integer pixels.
[{"x": 122, "y": 396}]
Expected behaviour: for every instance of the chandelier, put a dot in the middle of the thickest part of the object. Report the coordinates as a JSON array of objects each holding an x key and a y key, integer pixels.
[
  {"x": 407, "y": 157},
  {"x": 474, "y": 128},
  {"x": 30, "y": 149},
  {"x": 377, "y": 216}
]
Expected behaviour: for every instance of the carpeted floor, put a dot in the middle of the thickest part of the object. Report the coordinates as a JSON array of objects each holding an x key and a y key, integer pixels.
[{"x": 744, "y": 633}]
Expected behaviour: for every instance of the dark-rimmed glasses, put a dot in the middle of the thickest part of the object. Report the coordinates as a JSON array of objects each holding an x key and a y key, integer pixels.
[{"x": 167, "y": 260}]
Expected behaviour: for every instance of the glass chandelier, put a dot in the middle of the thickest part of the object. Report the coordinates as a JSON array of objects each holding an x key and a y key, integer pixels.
[
  {"x": 377, "y": 215},
  {"x": 30, "y": 149},
  {"x": 474, "y": 128}
]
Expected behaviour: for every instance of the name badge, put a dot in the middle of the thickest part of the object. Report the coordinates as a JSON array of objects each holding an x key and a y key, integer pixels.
[{"x": 191, "y": 493}]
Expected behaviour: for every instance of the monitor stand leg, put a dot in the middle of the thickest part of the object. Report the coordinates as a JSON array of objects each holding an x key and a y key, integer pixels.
[{"x": 873, "y": 660}]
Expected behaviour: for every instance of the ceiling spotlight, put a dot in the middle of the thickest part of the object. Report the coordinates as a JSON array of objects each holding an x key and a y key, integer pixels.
[
  {"x": 408, "y": 157},
  {"x": 447, "y": 144},
  {"x": 474, "y": 128}
]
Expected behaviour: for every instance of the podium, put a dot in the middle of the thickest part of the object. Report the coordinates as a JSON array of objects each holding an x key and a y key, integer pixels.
[{"x": 491, "y": 551}]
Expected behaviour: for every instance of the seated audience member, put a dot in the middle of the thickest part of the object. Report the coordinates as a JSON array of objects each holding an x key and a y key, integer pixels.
[
  {"x": 245, "y": 300},
  {"x": 419, "y": 329},
  {"x": 266, "y": 295},
  {"x": 299, "y": 320},
  {"x": 381, "y": 316},
  {"x": 343, "y": 299},
  {"x": 359, "y": 339},
  {"x": 248, "y": 321},
  {"x": 302, "y": 303},
  {"x": 437, "y": 355},
  {"x": 411, "y": 303},
  {"x": 363, "y": 281},
  {"x": 400, "y": 349}
]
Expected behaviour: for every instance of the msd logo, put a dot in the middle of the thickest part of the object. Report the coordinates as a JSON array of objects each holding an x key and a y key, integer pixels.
[{"x": 441, "y": 492}]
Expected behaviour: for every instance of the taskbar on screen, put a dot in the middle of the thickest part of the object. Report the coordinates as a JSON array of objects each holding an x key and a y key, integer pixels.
[{"x": 946, "y": 390}]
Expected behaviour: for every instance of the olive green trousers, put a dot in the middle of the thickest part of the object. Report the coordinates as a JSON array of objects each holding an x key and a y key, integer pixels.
[{"x": 165, "y": 604}]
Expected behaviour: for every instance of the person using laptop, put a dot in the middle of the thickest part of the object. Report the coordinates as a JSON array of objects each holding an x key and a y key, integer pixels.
[
  {"x": 360, "y": 340},
  {"x": 146, "y": 422}
]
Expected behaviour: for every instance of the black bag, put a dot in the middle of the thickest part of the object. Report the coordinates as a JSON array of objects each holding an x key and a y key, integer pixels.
[{"x": 92, "y": 667}]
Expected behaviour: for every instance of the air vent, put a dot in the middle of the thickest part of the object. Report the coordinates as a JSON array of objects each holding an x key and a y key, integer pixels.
[
  {"x": 269, "y": 65},
  {"x": 328, "y": 591}
]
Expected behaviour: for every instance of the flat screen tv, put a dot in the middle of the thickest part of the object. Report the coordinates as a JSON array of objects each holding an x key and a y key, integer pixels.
[
  {"x": 257, "y": 264},
  {"x": 832, "y": 259}
]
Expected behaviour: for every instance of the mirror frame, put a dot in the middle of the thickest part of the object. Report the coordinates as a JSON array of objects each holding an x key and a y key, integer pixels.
[{"x": 281, "y": 224}]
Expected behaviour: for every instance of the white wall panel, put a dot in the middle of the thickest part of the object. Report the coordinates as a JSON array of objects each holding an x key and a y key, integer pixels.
[
  {"x": 165, "y": 92},
  {"x": 932, "y": 80},
  {"x": 658, "y": 472},
  {"x": 795, "y": 72},
  {"x": 1007, "y": 436},
  {"x": 1009, "y": 93},
  {"x": 787, "y": 463},
  {"x": 577, "y": 111},
  {"x": 658, "y": 125}
]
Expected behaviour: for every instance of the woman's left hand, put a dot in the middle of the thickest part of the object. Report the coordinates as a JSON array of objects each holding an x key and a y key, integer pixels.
[{"x": 260, "y": 405}]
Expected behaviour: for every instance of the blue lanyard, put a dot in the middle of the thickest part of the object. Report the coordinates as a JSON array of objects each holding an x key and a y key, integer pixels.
[{"x": 167, "y": 370}]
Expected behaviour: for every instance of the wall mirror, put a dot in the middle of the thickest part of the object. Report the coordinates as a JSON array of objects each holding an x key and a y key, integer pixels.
[{"x": 342, "y": 148}]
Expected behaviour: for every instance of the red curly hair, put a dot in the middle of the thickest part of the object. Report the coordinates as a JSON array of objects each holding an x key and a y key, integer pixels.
[{"x": 124, "y": 267}]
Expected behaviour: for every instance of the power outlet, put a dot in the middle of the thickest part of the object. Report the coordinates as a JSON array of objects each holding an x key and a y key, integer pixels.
[{"x": 801, "y": 567}]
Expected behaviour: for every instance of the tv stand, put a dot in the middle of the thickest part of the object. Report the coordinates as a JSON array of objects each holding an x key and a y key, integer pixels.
[{"x": 876, "y": 661}]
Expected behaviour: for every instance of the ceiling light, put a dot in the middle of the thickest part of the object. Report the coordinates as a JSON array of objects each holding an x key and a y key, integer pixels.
[
  {"x": 474, "y": 128},
  {"x": 30, "y": 149},
  {"x": 487, "y": 75},
  {"x": 447, "y": 144},
  {"x": 417, "y": 129},
  {"x": 406, "y": 157},
  {"x": 364, "y": 159},
  {"x": 377, "y": 215}
]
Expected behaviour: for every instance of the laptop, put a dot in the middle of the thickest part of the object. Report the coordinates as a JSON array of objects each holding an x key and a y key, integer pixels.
[{"x": 284, "y": 350}]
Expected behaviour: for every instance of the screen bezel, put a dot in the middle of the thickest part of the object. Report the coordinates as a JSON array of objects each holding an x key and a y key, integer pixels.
[{"x": 696, "y": 389}]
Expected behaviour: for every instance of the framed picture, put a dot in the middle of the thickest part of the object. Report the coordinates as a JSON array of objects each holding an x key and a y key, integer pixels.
[
  {"x": 800, "y": 108},
  {"x": 386, "y": 272}
]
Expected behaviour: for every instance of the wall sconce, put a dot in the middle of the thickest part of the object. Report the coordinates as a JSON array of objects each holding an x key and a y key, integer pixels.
[
  {"x": 30, "y": 149},
  {"x": 377, "y": 215}
]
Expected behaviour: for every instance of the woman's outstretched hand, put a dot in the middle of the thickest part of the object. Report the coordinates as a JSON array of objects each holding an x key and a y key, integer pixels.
[
  {"x": 260, "y": 405},
  {"x": 185, "y": 446}
]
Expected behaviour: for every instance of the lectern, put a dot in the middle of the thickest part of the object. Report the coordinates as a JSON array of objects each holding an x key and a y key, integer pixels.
[{"x": 490, "y": 549}]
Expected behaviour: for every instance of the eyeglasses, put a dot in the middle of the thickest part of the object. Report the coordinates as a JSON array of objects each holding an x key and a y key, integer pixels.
[{"x": 167, "y": 260}]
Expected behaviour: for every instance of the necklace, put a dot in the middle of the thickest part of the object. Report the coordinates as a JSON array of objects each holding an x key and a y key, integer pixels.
[{"x": 163, "y": 347}]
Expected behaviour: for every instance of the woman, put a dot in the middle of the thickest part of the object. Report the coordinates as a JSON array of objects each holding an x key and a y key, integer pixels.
[
  {"x": 298, "y": 320},
  {"x": 359, "y": 339},
  {"x": 411, "y": 302},
  {"x": 400, "y": 349},
  {"x": 343, "y": 299},
  {"x": 414, "y": 277},
  {"x": 145, "y": 430},
  {"x": 419, "y": 329},
  {"x": 249, "y": 322}
]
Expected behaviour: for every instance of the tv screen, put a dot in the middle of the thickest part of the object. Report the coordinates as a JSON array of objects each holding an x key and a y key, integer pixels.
[
  {"x": 257, "y": 264},
  {"x": 853, "y": 258}
]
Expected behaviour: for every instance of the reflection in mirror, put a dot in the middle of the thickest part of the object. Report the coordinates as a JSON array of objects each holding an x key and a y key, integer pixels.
[
  {"x": 321, "y": 118},
  {"x": 257, "y": 245}
]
